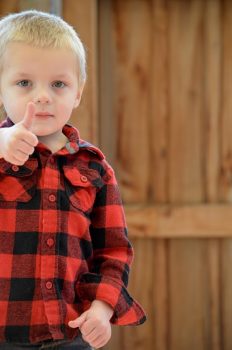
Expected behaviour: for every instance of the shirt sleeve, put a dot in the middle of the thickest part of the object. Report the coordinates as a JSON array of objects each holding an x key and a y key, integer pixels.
[{"x": 107, "y": 278}]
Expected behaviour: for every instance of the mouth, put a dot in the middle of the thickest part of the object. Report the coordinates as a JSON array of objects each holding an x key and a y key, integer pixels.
[{"x": 43, "y": 115}]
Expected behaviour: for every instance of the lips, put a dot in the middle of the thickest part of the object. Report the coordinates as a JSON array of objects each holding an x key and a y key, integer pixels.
[{"x": 43, "y": 114}]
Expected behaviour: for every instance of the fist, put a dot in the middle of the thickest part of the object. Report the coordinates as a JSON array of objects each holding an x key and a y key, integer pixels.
[{"x": 17, "y": 143}]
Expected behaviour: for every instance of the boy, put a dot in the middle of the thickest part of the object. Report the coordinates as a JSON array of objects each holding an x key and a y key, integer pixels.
[{"x": 64, "y": 251}]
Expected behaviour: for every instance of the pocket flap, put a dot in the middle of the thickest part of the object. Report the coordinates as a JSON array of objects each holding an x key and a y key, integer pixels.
[
  {"x": 19, "y": 171},
  {"x": 83, "y": 177}
]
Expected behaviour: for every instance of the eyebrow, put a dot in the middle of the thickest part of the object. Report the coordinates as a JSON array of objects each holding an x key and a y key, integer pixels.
[
  {"x": 28, "y": 75},
  {"x": 21, "y": 74},
  {"x": 63, "y": 76}
]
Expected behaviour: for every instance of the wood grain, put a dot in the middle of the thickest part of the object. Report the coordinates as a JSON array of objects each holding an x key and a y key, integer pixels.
[
  {"x": 226, "y": 120},
  {"x": 160, "y": 113},
  {"x": 82, "y": 15},
  {"x": 169, "y": 221},
  {"x": 186, "y": 101},
  {"x": 131, "y": 72}
]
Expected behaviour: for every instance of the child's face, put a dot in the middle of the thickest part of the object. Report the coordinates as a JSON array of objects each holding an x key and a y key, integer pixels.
[{"x": 48, "y": 77}]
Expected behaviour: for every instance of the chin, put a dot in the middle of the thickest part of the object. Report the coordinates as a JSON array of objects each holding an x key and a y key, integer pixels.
[{"x": 39, "y": 132}]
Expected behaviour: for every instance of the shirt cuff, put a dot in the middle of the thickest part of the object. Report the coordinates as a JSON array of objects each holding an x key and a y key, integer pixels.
[{"x": 97, "y": 287}]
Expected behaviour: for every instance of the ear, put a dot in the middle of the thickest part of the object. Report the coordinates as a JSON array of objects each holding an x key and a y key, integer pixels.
[{"x": 79, "y": 94}]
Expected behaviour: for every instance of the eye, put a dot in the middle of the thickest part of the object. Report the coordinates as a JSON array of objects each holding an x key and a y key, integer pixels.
[
  {"x": 59, "y": 84},
  {"x": 24, "y": 83}
]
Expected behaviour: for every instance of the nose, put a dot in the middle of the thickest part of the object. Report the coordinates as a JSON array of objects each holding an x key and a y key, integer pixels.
[{"x": 42, "y": 97}]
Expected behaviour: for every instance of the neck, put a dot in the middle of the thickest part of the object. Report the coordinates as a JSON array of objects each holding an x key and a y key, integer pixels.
[{"x": 54, "y": 142}]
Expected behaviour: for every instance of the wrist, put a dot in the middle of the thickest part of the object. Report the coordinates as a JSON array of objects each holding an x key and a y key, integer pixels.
[{"x": 102, "y": 305}]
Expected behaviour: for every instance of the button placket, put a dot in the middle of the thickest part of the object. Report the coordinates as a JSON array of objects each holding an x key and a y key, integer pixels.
[{"x": 49, "y": 198}]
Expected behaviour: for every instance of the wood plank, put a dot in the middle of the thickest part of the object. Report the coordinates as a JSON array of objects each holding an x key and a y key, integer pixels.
[
  {"x": 82, "y": 15},
  {"x": 204, "y": 221},
  {"x": 160, "y": 304},
  {"x": 212, "y": 75},
  {"x": 188, "y": 295},
  {"x": 213, "y": 287},
  {"x": 107, "y": 115},
  {"x": 213, "y": 95},
  {"x": 226, "y": 292},
  {"x": 131, "y": 74},
  {"x": 226, "y": 120},
  {"x": 186, "y": 101},
  {"x": 159, "y": 115},
  {"x": 213, "y": 61}
]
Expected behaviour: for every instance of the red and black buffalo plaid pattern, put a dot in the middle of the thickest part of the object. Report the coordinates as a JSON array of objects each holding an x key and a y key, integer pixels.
[{"x": 63, "y": 242}]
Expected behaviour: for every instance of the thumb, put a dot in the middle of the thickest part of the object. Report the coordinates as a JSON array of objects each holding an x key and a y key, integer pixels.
[
  {"x": 78, "y": 321},
  {"x": 29, "y": 115}
]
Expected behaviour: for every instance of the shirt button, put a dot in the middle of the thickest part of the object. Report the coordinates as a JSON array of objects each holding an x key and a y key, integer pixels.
[
  {"x": 49, "y": 285},
  {"x": 50, "y": 242},
  {"x": 84, "y": 178},
  {"x": 15, "y": 168},
  {"x": 52, "y": 198}
]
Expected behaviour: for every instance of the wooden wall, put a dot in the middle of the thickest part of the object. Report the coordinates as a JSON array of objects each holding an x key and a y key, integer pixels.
[
  {"x": 165, "y": 74},
  {"x": 158, "y": 102}
]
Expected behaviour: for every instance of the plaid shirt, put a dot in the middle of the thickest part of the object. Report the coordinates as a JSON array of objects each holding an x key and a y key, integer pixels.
[{"x": 63, "y": 242}]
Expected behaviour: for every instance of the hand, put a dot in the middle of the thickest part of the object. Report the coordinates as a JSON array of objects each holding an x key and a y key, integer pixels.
[
  {"x": 95, "y": 324},
  {"x": 18, "y": 142}
]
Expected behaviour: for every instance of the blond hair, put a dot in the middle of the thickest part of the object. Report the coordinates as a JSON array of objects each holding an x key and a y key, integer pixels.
[{"x": 43, "y": 30}]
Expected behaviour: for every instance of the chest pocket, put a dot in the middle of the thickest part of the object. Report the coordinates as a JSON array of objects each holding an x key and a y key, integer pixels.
[
  {"x": 81, "y": 187},
  {"x": 18, "y": 184}
]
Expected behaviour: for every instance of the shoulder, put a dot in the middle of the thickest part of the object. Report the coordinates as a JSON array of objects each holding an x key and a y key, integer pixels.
[
  {"x": 96, "y": 159},
  {"x": 87, "y": 157},
  {"x": 91, "y": 149}
]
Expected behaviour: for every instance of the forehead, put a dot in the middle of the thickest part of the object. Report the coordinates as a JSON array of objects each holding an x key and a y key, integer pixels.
[{"x": 21, "y": 56}]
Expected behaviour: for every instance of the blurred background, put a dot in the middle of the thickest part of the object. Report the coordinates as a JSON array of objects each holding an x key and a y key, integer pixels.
[{"x": 158, "y": 101}]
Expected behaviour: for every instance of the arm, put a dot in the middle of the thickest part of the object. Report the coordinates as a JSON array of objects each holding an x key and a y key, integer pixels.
[
  {"x": 105, "y": 283},
  {"x": 107, "y": 278}
]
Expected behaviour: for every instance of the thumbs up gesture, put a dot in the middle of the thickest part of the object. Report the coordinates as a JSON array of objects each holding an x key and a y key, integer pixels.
[{"x": 18, "y": 142}]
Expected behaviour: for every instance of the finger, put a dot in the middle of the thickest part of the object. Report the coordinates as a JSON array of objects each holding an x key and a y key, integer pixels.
[
  {"x": 78, "y": 321},
  {"x": 88, "y": 330},
  {"x": 31, "y": 139},
  {"x": 17, "y": 160},
  {"x": 29, "y": 115},
  {"x": 91, "y": 337},
  {"x": 25, "y": 147},
  {"x": 21, "y": 156},
  {"x": 96, "y": 333},
  {"x": 98, "y": 342}
]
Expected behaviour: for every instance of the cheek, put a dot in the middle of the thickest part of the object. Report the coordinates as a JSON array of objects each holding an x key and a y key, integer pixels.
[
  {"x": 66, "y": 106},
  {"x": 14, "y": 108}
]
